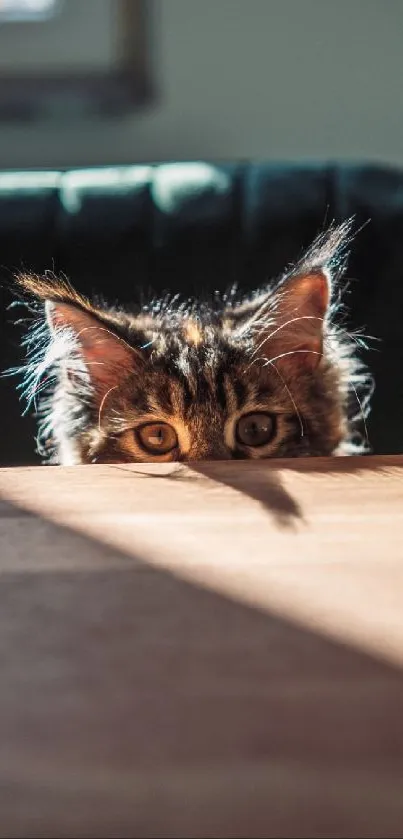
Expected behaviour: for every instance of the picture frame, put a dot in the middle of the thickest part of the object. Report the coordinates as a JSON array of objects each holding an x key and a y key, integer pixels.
[{"x": 61, "y": 73}]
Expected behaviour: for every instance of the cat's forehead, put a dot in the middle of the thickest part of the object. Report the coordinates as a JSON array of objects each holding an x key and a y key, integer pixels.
[
  {"x": 195, "y": 386},
  {"x": 196, "y": 368},
  {"x": 190, "y": 329},
  {"x": 198, "y": 356}
]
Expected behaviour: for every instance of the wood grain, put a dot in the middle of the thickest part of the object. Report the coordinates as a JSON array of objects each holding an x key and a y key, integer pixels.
[{"x": 206, "y": 650}]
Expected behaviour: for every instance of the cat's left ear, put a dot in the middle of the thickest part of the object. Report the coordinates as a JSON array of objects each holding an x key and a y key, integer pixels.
[
  {"x": 287, "y": 325},
  {"x": 288, "y": 330}
]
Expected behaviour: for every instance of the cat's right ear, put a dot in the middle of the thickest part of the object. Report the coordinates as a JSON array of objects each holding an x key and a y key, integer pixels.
[
  {"x": 106, "y": 355},
  {"x": 84, "y": 339}
]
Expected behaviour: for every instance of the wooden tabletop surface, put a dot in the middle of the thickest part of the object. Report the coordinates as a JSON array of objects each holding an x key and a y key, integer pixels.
[{"x": 212, "y": 650}]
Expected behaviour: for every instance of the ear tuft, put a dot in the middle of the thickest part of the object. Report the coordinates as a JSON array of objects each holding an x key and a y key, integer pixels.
[{"x": 49, "y": 287}]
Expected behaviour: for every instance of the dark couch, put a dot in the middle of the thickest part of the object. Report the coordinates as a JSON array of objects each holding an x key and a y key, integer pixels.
[{"x": 190, "y": 227}]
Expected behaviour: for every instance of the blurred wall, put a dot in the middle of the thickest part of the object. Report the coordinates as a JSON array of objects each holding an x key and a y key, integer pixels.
[{"x": 284, "y": 79}]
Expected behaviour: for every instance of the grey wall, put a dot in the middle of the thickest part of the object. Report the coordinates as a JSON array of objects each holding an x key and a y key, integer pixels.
[{"x": 251, "y": 78}]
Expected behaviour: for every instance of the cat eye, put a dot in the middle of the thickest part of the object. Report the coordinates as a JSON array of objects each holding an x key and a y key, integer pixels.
[
  {"x": 255, "y": 429},
  {"x": 157, "y": 437}
]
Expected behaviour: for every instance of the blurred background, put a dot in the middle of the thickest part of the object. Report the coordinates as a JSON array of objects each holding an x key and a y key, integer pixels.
[{"x": 226, "y": 79}]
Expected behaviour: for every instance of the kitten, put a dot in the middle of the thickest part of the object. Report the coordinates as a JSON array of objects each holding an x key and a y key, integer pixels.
[{"x": 272, "y": 376}]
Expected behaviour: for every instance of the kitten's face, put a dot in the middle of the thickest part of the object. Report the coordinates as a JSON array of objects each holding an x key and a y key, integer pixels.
[
  {"x": 269, "y": 378},
  {"x": 201, "y": 394}
]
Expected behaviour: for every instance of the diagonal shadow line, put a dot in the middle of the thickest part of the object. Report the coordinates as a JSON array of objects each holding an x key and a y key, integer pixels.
[
  {"x": 264, "y": 483},
  {"x": 136, "y": 704},
  {"x": 265, "y": 486}
]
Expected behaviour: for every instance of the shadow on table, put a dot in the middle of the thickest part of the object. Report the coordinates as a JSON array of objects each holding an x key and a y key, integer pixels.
[
  {"x": 264, "y": 485},
  {"x": 263, "y": 481}
]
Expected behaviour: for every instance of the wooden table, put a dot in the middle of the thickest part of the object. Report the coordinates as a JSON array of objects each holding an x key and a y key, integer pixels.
[{"x": 204, "y": 651}]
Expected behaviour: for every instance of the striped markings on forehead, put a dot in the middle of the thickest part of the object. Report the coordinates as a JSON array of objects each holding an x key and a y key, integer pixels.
[{"x": 192, "y": 332}]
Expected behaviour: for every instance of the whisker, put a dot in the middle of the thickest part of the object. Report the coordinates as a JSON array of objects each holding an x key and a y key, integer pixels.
[
  {"x": 104, "y": 398},
  {"x": 265, "y": 361},
  {"x": 301, "y": 425},
  {"x": 291, "y": 352},
  {"x": 287, "y": 323},
  {"x": 359, "y": 338},
  {"x": 362, "y": 413},
  {"x": 293, "y": 320}
]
